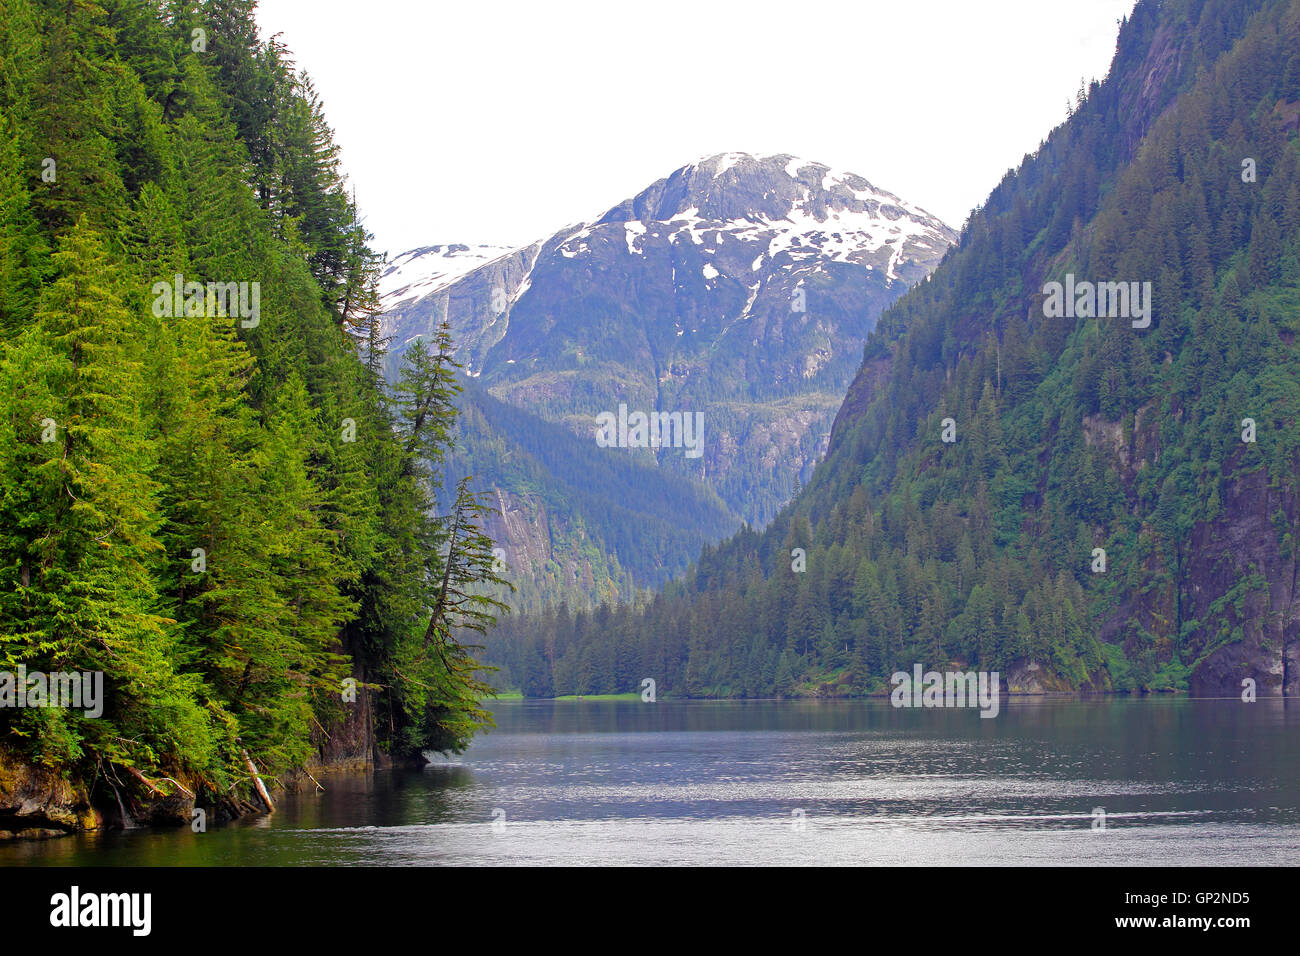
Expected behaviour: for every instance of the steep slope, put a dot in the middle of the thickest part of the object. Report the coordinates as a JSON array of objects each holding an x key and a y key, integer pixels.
[
  {"x": 213, "y": 517},
  {"x": 429, "y": 269},
  {"x": 573, "y": 518},
  {"x": 739, "y": 287},
  {"x": 1117, "y": 506}
]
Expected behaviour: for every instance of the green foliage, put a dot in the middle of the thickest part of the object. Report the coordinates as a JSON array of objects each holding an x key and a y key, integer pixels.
[
  {"x": 225, "y": 512},
  {"x": 612, "y": 509},
  {"x": 1071, "y": 434}
]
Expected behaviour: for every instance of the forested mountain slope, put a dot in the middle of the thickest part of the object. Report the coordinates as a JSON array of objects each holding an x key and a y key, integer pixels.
[
  {"x": 571, "y": 518},
  {"x": 206, "y": 495},
  {"x": 1070, "y": 436}
]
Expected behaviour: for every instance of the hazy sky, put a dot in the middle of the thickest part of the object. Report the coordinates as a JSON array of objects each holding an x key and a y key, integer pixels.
[{"x": 500, "y": 122}]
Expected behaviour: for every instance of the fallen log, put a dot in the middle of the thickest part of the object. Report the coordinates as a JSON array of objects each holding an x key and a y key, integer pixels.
[
  {"x": 143, "y": 779},
  {"x": 257, "y": 782},
  {"x": 153, "y": 787}
]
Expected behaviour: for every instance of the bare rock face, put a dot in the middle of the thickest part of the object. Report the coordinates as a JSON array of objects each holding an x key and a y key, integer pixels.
[
  {"x": 454, "y": 283},
  {"x": 1236, "y": 596},
  {"x": 1027, "y": 678},
  {"x": 38, "y": 804},
  {"x": 1241, "y": 587}
]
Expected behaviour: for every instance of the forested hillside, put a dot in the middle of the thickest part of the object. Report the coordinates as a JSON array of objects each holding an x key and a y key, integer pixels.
[
  {"x": 567, "y": 514},
  {"x": 207, "y": 492},
  {"x": 1115, "y": 506}
]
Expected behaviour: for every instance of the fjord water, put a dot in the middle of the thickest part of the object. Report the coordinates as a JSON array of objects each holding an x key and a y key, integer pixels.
[{"x": 840, "y": 782}]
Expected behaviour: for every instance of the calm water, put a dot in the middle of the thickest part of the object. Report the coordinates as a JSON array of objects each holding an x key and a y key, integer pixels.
[{"x": 1180, "y": 782}]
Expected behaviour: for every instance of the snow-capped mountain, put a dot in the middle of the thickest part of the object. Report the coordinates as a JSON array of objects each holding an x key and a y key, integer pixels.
[
  {"x": 419, "y": 272},
  {"x": 780, "y": 204},
  {"x": 739, "y": 286},
  {"x": 728, "y": 237}
]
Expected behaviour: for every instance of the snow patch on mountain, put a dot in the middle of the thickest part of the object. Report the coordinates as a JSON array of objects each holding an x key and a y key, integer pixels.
[
  {"x": 771, "y": 219},
  {"x": 632, "y": 232},
  {"x": 420, "y": 272}
]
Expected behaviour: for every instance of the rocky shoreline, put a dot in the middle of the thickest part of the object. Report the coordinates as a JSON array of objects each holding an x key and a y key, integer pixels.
[{"x": 37, "y": 803}]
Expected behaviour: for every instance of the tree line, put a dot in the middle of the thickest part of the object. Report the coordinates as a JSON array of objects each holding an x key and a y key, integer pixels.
[
  {"x": 1071, "y": 437},
  {"x": 232, "y": 517}
]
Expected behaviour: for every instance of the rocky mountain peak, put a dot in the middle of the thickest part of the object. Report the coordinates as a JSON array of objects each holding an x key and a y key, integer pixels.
[
  {"x": 743, "y": 188},
  {"x": 738, "y": 288}
]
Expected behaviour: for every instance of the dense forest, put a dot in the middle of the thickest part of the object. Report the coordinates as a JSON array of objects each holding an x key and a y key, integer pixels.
[
  {"x": 580, "y": 507},
  {"x": 207, "y": 491},
  {"x": 1114, "y": 508}
]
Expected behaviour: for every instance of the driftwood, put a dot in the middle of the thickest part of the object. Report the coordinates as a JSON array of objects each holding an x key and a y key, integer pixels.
[
  {"x": 141, "y": 777},
  {"x": 313, "y": 779},
  {"x": 257, "y": 782},
  {"x": 179, "y": 786},
  {"x": 153, "y": 788}
]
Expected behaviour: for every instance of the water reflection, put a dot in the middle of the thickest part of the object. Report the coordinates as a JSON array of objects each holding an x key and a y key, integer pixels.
[{"x": 1179, "y": 781}]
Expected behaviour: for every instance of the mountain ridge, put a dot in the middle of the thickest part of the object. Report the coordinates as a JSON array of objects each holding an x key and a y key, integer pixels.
[
  {"x": 397, "y": 288},
  {"x": 1114, "y": 507},
  {"x": 749, "y": 296}
]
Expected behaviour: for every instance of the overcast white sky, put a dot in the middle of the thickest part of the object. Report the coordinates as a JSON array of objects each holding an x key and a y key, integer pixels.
[{"x": 500, "y": 121}]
